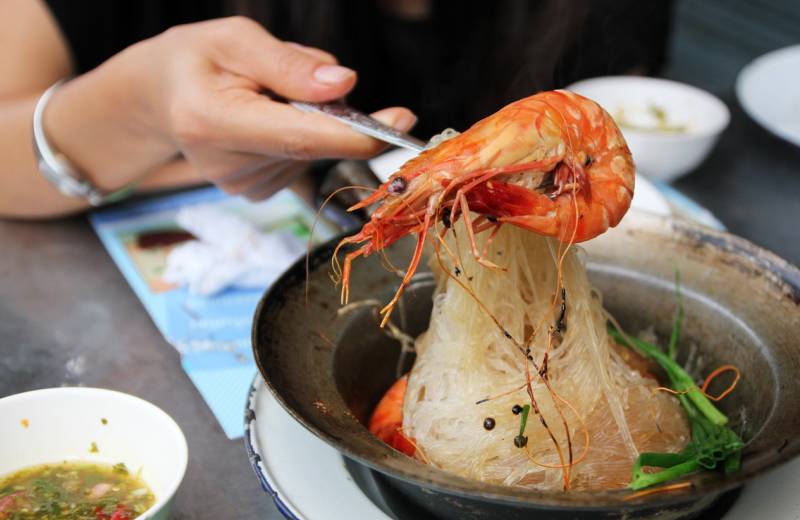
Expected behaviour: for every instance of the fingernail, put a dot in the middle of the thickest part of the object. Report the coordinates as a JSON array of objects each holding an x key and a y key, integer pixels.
[{"x": 333, "y": 74}]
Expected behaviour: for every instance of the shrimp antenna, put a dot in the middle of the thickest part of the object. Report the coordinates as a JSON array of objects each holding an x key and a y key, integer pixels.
[{"x": 317, "y": 216}]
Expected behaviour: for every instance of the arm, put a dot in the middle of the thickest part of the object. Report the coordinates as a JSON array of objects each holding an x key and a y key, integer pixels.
[
  {"x": 34, "y": 55},
  {"x": 193, "y": 92},
  {"x": 28, "y": 35}
]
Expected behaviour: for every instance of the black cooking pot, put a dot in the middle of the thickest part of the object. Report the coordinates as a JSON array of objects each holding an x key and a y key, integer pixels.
[{"x": 742, "y": 307}]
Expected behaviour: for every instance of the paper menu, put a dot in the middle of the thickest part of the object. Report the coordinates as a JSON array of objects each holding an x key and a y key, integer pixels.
[{"x": 212, "y": 333}]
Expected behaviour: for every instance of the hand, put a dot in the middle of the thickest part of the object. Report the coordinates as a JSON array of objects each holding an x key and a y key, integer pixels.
[{"x": 201, "y": 88}]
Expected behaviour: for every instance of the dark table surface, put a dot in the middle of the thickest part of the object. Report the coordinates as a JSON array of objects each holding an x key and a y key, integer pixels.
[{"x": 67, "y": 316}]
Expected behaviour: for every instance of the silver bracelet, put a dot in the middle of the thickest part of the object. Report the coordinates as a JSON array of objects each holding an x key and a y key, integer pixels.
[{"x": 57, "y": 169}]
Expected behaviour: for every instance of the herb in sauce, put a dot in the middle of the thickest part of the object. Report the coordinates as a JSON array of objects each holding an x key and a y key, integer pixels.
[{"x": 73, "y": 491}]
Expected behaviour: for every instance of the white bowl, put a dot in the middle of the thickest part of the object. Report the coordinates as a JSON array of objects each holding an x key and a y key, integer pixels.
[
  {"x": 659, "y": 154},
  {"x": 58, "y": 424}
]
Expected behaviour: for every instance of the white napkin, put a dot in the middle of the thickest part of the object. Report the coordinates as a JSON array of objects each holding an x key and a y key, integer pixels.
[{"x": 229, "y": 252}]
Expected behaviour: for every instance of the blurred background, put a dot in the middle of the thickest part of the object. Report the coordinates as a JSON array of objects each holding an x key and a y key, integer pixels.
[{"x": 751, "y": 179}]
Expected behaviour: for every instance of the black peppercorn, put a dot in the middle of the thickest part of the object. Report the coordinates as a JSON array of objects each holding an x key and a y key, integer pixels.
[
  {"x": 446, "y": 219},
  {"x": 516, "y": 409},
  {"x": 520, "y": 441},
  {"x": 488, "y": 423}
]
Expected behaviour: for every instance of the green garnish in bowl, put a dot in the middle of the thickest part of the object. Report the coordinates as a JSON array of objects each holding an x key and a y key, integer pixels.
[{"x": 713, "y": 445}]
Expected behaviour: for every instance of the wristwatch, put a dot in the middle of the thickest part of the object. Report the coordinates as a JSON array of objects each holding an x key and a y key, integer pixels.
[{"x": 57, "y": 169}]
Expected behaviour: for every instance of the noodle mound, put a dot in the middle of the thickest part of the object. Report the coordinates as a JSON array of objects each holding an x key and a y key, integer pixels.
[{"x": 465, "y": 357}]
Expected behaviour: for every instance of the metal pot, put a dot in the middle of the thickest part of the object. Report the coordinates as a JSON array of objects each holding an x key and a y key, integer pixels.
[{"x": 742, "y": 307}]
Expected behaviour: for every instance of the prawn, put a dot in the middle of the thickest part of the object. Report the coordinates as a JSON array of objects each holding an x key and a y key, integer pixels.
[
  {"x": 386, "y": 422},
  {"x": 554, "y": 163}
]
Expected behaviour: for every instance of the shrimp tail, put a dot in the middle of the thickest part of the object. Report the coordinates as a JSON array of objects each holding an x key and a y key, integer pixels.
[{"x": 386, "y": 422}]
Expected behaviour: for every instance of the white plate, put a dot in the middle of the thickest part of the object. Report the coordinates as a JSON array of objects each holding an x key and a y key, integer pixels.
[
  {"x": 306, "y": 477},
  {"x": 308, "y": 480},
  {"x": 646, "y": 196},
  {"x": 768, "y": 90}
]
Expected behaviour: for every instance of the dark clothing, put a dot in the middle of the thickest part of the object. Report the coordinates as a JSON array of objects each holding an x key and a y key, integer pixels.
[
  {"x": 98, "y": 29},
  {"x": 464, "y": 62}
]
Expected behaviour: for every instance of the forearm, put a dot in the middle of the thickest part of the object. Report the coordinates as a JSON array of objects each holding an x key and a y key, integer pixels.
[
  {"x": 97, "y": 122},
  {"x": 24, "y": 193}
]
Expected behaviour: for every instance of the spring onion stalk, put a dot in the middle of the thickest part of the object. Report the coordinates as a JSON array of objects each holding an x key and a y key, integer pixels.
[
  {"x": 676, "y": 326},
  {"x": 524, "y": 419},
  {"x": 713, "y": 444},
  {"x": 681, "y": 381},
  {"x": 711, "y": 447},
  {"x": 521, "y": 440}
]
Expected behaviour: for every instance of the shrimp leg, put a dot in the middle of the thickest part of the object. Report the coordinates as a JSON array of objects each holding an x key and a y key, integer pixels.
[
  {"x": 348, "y": 261},
  {"x": 462, "y": 201},
  {"x": 386, "y": 312},
  {"x": 491, "y": 238}
]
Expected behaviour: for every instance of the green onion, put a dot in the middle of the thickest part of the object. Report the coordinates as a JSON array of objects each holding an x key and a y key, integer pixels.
[
  {"x": 713, "y": 444},
  {"x": 524, "y": 418},
  {"x": 521, "y": 440},
  {"x": 120, "y": 468},
  {"x": 676, "y": 326},
  {"x": 681, "y": 381}
]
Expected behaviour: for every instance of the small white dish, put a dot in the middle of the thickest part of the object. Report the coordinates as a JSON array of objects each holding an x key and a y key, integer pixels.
[
  {"x": 646, "y": 196},
  {"x": 768, "y": 90},
  {"x": 658, "y": 153},
  {"x": 308, "y": 480},
  {"x": 60, "y": 424}
]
